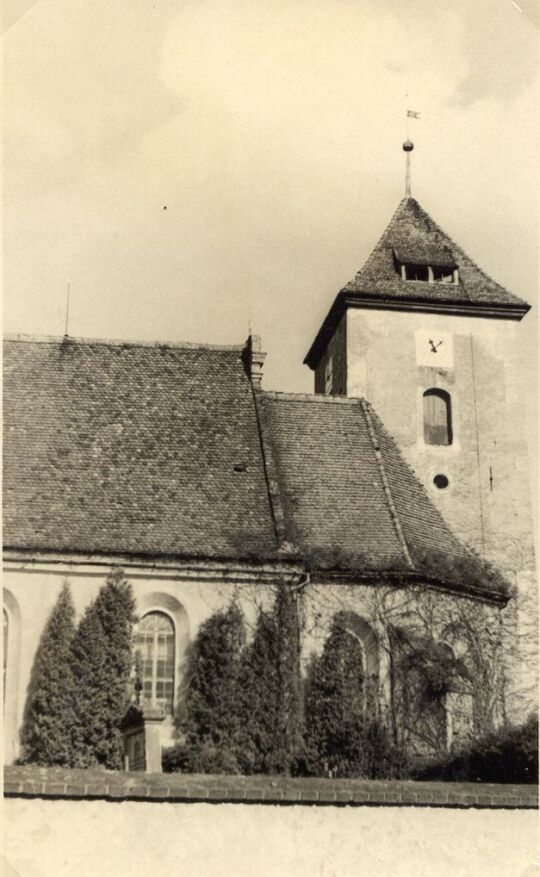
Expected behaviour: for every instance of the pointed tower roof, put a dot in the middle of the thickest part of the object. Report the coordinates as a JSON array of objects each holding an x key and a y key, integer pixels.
[{"x": 413, "y": 238}]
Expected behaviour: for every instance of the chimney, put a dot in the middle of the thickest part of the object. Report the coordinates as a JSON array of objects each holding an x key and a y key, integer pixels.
[{"x": 254, "y": 358}]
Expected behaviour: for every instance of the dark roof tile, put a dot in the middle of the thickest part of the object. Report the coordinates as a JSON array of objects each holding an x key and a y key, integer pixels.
[
  {"x": 351, "y": 501},
  {"x": 132, "y": 448},
  {"x": 415, "y": 237},
  {"x": 161, "y": 450}
]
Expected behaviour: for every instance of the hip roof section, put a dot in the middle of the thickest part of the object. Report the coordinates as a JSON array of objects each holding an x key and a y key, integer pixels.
[
  {"x": 128, "y": 448},
  {"x": 413, "y": 236},
  {"x": 351, "y": 502}
]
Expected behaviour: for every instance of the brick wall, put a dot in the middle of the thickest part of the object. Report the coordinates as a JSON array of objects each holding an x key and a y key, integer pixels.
[{"x": 35, "y": 782}]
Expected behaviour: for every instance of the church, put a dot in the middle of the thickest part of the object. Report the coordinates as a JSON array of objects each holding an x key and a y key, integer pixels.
[{"x": 405, "y": 471}]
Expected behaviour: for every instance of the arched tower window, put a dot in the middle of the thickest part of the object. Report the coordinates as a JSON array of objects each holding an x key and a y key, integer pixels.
[
  {"x": 154, "y": 641},
  {"x": 437, "y": 417}
]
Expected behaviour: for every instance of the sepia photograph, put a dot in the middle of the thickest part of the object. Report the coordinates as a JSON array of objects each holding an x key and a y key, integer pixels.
[{"x": 270, "y": 438}]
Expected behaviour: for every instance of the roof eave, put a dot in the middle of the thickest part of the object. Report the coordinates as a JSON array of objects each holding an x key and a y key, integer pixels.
[
  {"x": 464, "y": 308},
  {"x": 406, "y": 578}
]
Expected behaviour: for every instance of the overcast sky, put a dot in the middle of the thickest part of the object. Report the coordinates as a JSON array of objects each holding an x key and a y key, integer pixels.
[{"x": 194, "y": 167}]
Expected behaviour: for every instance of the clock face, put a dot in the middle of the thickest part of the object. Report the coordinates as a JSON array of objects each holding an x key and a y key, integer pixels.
[{"x": 434, "y": 348}]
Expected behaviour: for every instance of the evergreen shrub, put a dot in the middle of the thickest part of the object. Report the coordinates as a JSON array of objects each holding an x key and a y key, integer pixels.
[
  {"x": 269, "y": 692},
  {"x": 242, "y": 711},
  {"x": 47, "y": 735},
  {"x": 208, "y": 720},
  {"x": 505, "y": 756},
  {"x": 342, "y": 739},
  {"x": 101, "y": 666}
]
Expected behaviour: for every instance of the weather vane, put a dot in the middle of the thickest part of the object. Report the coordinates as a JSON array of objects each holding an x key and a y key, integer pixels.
[{"x": 408, "y": 147}]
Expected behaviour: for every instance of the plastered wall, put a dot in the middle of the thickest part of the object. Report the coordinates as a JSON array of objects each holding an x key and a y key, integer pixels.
[
  {"x": 337, "y": 350},
  {"x": 31, "y": 591},
  {"x": 88, "y": 838},
  {"x": 489, "y": 492}
]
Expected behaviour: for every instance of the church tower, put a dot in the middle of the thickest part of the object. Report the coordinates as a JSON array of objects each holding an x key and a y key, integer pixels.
[{"x": 434, "y": 344}]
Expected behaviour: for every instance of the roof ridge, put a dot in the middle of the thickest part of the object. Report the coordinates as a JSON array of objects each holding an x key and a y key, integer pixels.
[
  {"x": 312, "y": 397},
  {"x": 270, "y": 469},
  {"x": 366, "y": 410},
  {"x": 115, "y": 342},
  {"x": 401, "y": 204}
]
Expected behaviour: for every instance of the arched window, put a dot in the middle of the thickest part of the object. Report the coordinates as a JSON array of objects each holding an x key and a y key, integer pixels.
[
  {"x": 437, "y": 417},
  {"x": 5, "y": 634},
  {"x": 154, "y": 641},
  {"x": 367, "y": 674}
]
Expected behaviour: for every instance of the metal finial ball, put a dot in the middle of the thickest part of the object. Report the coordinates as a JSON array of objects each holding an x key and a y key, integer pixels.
[{"x": 408, "y": 146}]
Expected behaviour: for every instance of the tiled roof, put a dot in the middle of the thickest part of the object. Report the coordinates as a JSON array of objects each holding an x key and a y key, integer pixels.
[
  {"x": 415, "y": 237},
  {"x": 350, "y": 499},
  {"x": 122, "y": 448},
  {"x": 331, "y": 489},
  {"x": 132, "y": 448}
]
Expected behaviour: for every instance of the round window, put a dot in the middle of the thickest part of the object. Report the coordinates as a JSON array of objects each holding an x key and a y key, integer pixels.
[{"x": 440, "y": 481}]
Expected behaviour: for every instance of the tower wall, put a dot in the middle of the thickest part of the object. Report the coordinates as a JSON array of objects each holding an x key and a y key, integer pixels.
[
  {"x": 391, "y": 362},
  {"x": 335, "y": 355}
]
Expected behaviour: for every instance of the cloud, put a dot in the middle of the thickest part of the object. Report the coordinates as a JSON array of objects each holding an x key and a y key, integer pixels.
[
  {"x": 82, "y": 86},
  {"x": 500, "y": 49}
]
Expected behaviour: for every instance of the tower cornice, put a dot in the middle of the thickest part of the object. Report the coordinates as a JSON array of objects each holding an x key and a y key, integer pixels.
[{"x": 345, "y": 300}]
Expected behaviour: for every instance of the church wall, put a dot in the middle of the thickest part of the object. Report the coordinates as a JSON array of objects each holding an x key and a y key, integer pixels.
[
  {"x": 31, "y": 591},
  {"x": 464, "y": 627}
]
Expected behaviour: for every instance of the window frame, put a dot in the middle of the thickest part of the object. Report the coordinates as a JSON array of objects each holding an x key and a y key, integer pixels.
[
  {"x": 445, "y": 397},
  {"x": 167, "y": 704},
  {"x": 430, "y": 273}
]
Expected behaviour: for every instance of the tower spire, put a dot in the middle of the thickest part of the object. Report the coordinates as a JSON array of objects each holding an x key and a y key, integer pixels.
[{"x": 408, "y": 147}]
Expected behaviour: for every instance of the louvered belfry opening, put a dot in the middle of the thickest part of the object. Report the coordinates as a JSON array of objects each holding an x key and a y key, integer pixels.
[{"x": 437, "y": 417}]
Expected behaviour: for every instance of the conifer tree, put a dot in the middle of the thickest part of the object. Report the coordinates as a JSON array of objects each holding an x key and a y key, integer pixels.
[
  {"x": 209, "y": 717},
  {"x": 47, "y": 734},
  {"x": 288, "y": 726},
  {"x": 335, "y": 729},
  {"x": 88, "y": 661},
  {"x": 269, "y": 693},
  {"x": 102, "y": 662},
  {"x": 257, "y": 697}
]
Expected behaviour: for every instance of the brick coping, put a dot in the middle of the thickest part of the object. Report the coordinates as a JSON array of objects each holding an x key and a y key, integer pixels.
[{"x": 53, "y": 783}]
